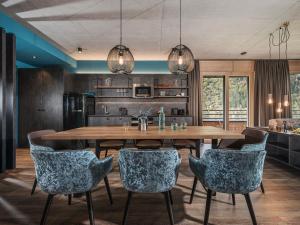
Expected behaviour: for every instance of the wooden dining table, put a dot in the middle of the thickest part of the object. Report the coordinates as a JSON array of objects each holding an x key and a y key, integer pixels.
[{"x": 101, "y": 133}]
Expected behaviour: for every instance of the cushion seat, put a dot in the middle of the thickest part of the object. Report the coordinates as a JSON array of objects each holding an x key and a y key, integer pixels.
[{"x": 184, "y": 143}]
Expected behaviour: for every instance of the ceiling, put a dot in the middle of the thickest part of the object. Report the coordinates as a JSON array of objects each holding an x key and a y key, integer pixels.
[{"x": 212, "y": 29}]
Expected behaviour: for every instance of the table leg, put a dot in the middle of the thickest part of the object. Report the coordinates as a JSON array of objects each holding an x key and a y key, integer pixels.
[
  {"x": 214, "y": 143},
  {"x": 198, "y": 148},
  {"x": 98, "y": 150}
]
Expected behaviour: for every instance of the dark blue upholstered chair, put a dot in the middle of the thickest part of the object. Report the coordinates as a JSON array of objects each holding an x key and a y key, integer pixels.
[
  {"x": 35, "y": 138},
  {"x": 149, "y": 171},
  {"x": 68, "y": 172},
  {"x": 255, "y": 140},
  {"x": 229, "y": 171}
]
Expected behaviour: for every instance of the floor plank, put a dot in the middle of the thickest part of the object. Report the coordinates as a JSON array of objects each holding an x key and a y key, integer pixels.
[{"x": 279, "y": 206}]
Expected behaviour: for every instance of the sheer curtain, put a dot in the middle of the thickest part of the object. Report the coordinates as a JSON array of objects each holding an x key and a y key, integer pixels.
[
  {"x": 195, "y": 104},
  {"x": 271, "y": 77}
]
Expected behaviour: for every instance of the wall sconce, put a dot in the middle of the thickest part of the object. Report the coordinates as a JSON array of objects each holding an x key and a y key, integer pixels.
[
  {"x": 279, "y": 109},
  {"x": 286, "y": 101},
  {"x": 270, "y": 99}
]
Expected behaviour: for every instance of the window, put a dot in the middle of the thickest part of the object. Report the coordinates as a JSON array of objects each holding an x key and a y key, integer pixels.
[
  {"x": 215, "y": 97},
  {"x": 213, "y": 101},
  {"x": 295, "y": 95},
  {"x": 238, "y": 103}
]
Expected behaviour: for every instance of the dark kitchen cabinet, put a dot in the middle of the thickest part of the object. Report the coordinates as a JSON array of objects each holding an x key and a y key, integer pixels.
[{"x": 40, "y": 101}]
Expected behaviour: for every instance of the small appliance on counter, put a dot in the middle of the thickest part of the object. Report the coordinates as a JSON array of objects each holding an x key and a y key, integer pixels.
[
  {"x": 123, "y": 111},
  {"x": 143, "y": 88},
  {"x": 181, "y": 112}
]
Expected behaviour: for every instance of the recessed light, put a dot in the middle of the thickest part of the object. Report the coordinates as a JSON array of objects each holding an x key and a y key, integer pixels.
[
  {"x": 79, "y": 50},
  {"x": 34, "y": 57},
  {"x": 243, "y": 53}
]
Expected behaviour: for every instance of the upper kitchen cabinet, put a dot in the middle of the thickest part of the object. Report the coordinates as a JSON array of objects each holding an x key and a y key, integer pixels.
[{"x": 40, "y": 101}]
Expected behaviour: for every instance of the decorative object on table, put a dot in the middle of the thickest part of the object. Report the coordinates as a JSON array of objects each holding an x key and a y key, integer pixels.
[
  {"x": 183, "y": 125},
  {"x": 119, "y": 59},
  {"x": 149, "y": 171},
  {"x": 174, "y": 126},
  {"x": 143, "y": 119},
  {"x": 229, "y": 171},
  {"x": 161, "y": 119},
  {"x": 181, "y": 58}
]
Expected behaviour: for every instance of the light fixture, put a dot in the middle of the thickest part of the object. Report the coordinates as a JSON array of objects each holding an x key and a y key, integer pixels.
[
  {"x": 79, "y": 50},
  {"x": 286, "y": 101},
  {"x": 283, "y": 34},
  {"x": 279, "y": 109},
  {"x": 119, "y": 59},
  {"x": 181, "y": 58},
  {"x": 270, "y": 99}
]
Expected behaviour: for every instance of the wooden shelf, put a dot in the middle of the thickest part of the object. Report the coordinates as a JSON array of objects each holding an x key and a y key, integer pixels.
[
  {"x": 113, "y": 96},
  {"x": 112, "y": 87},
  {"x": 171, "y": 87},
  {"x": 171, "y": 96}
]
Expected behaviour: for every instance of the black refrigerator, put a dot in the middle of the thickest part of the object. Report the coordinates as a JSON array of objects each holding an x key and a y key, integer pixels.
[{"x": 77, "y": 108}]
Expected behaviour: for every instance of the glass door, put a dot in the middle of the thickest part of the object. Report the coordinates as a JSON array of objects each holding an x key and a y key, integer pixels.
[
  {"x": 238, "y": 90},
  {"x": 213, "y": 104}
]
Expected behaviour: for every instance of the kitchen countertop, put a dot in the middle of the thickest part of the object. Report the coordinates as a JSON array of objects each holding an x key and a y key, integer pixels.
[{"x": 99, "y": 115}]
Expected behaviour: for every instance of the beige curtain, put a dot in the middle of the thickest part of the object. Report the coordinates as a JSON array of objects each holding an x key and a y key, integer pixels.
[
  {"x": 271, "y": 77},
  {"x": 195, "y": 95}
]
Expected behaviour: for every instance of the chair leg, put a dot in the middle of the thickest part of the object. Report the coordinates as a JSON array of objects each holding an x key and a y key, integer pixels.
[
  {"x": 233, "y": 199},
  {"x": 46, "y": 209},
  {"x": 89, "y": 202},
  {"x": 126, "y": 207},
  {"x": 171, "y": 197},
  {"x": 207, "y": 207},
  {"x": 262, "y": 187},
  {"x": 250, "y": 207},
  {"x": 194, "y": 189},
  {"x": 169, "y": 207},
  {"x": 108, "y": 190},
  {"x": 69, "y": 199},
  {"x": 33, "y": 186}
]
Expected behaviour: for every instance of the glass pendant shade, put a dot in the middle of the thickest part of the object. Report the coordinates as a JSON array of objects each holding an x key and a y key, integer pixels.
[
  {"x": 120, "y": 60},
  {"x": 181, "y": 60}
]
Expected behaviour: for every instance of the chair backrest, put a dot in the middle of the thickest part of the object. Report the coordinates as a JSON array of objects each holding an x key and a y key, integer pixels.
[
  {"x": 254, "y": 135},
  {"x": 35, "y": 138},
  {"x": 231, "y": 171},
  {"x": 63, "y": 172},
  {"x": 149, "y": 171},
  {"x": 258, "y": 146}
]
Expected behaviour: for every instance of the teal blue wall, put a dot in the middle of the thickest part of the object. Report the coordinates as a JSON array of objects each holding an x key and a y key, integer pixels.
[{"x": 29, "y": 44}]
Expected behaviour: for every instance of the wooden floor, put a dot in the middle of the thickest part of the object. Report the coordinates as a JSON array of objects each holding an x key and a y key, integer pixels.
[{"x": 279, "y": 206}]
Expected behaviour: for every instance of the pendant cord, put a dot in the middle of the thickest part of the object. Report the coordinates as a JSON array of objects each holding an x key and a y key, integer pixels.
[
  {"x": 121, "y": 17},
  {"x": 180, "y": 23},
  {"x": 279, "y": 37}
]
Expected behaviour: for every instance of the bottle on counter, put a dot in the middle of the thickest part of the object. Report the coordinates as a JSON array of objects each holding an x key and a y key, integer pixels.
[{"x": 161, "y": 119}]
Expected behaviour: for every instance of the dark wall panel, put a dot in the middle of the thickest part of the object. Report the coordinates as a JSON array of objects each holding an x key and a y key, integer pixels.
[
  {"x": 10, "y": 101},
  {"x": 40, "y": 101},
  {"x": 2, "y": 100}
]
